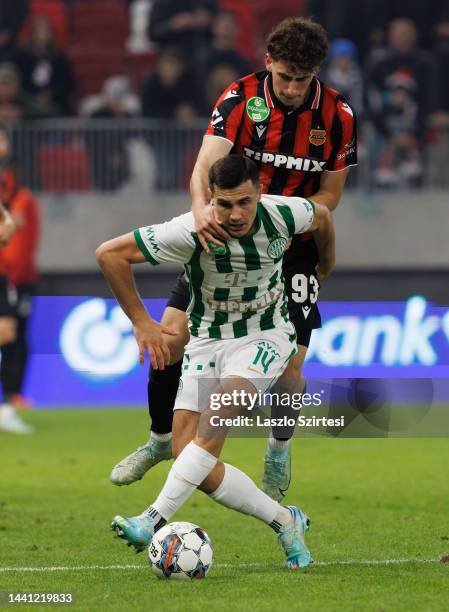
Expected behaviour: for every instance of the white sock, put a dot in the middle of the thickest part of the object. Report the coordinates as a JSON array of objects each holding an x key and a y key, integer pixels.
[
  {"x": 189, "y": 470},
  {"x": 238, "y": 491},
  {"x": 278, "y": 444},
  {"x": 161, "y": 437}
]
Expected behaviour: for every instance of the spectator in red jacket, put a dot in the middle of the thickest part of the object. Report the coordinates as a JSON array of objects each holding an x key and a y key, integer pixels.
[{"x": 19, "y": 257}]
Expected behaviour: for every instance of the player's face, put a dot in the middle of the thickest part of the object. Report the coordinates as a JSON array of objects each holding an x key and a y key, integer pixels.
[
  {"x": 236, "y": 209},
  {"x": 290, "y": 85}
]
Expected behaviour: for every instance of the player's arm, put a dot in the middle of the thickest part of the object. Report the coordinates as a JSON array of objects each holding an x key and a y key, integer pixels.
[
  {"x": 7, "y": 226},
  {"x": 324, "y": 235},
  {"x": 344, "y": 155},
  {"x": 208, "y": 230},
  {"x": 115, "y": 258},
  {"x": 331, "y": 188}
]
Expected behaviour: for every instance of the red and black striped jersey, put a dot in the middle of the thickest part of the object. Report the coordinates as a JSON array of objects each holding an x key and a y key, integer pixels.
[{"x": 291, "y": 147}]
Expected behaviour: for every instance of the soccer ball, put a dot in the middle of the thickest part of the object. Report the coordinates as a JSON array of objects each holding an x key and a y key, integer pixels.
[{"x": 182, "y": 551}]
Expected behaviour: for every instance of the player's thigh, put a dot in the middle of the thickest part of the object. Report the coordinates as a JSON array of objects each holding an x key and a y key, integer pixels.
[
  {"x": 185, "y": 426},
  {"x": 176, "y": 320},
  {"x": 227, "y": 400}
]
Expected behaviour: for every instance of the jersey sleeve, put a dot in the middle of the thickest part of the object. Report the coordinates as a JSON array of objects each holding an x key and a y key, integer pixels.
[
  {"x": 344, "y": 138},
  {"x": 294, "y": 214},
  {"x": 170, "y": 242},
  {"x": 227, "y": 114}
]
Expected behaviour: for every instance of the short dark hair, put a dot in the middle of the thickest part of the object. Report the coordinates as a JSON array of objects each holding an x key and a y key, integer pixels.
[
  {"x": 298, "y": 41},
  {"x": 231, "y": 171}
]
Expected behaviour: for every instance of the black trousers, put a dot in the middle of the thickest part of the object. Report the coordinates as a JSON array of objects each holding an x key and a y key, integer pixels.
[{"x": 15, "y": 354}]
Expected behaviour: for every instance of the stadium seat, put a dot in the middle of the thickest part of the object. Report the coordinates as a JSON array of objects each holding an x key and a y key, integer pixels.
[
  {"x": 138, "y": 66},
  {"x": 64, "y": 168},
  {"x": 93, "y": 64},
  {"x": 56, "y": 11},
  {"x": 100, "y": 21}
]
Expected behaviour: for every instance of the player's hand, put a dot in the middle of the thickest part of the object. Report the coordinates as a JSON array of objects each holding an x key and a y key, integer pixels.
[
  {"x": 207, "y": 228},
  {"x": 150, "y": 337},
  {"x": 7, "y": 229}
]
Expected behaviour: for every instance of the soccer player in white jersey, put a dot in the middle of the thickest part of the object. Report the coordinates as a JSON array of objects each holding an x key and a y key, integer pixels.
[{"x": 240, "y": 337}]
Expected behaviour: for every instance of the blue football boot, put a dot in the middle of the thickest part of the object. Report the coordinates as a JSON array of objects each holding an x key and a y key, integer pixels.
[
  {"x": 137, "y": 531},
  {"x": 291, "y": 537}
]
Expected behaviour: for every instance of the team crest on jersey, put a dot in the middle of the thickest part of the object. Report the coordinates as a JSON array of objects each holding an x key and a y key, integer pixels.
[
  {"x": 317, "y": 137},
  {"x": 257, "y": 109},
  {"x": 276, "y": 247}
]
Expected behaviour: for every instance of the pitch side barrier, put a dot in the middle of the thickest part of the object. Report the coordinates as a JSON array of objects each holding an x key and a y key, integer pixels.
[{"x": 366, "y": 354}]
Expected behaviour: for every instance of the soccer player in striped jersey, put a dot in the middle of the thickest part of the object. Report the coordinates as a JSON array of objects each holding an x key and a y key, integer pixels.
[
  {"x": 302, "y": 136},
  {"x": 241, "y": 338}
]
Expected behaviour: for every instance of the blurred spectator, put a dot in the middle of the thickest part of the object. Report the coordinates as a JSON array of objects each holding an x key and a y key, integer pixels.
[
  {"x": 167, "y": 91},
  {"x": 225, "y": 30},
  {"x": 116, "y": 100},
  {"x": 108, "y": 147},
  {"x": 186, "y": 25},
  {"x": 139, "y": 18},
  {"x": 441, "y": 50},
  {"x": 402, "y": 95},
  {"x": 15, "y": 105},
  {"x": 357, "y": 20},
  {"x": 218, "y": 80},
  {"x": 342, "y": 72},
  {"x": 46, "y": 71},
  {"x": 12, "y": 16},
  {"x": 19, "y": 257}
]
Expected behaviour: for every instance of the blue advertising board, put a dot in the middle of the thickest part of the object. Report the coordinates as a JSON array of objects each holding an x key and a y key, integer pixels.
[{"x": 83, "y": 351}]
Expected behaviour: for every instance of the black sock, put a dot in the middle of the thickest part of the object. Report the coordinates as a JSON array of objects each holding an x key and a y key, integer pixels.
[
  {"x": 162, "y": 390},
  {"x": 283, "y": 434},
  {"x": 158, "y": 520}
]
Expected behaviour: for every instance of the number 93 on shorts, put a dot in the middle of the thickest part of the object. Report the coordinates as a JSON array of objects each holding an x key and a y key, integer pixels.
[{"x": 260, "y": 357}]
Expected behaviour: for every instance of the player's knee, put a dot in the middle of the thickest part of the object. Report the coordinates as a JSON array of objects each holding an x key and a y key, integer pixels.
[
  {"x": 293, "y": 371},
  {"x": 177, "y": 321}
]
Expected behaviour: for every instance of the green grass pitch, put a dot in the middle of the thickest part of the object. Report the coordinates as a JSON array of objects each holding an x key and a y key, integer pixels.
[{"x": 370, "y": 502}]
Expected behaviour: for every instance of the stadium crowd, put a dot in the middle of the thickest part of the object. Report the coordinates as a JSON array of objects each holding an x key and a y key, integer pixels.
[{"x": 160, "y": 59}]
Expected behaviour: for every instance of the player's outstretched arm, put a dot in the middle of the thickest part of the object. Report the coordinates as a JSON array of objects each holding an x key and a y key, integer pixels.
[
  {"x": 115, "y": 258},
  {"x": 324, "y": 235},
  {"x": 208, "y": 230}
]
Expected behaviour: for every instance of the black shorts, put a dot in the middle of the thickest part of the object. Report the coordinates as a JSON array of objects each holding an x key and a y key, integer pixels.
[
  {"x": 302, "y": 287},
  {"x": 7, "y": 306},
  {"x": 301, "y": 283}
]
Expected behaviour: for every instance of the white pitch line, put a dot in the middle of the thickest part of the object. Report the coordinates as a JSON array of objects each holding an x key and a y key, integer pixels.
[{"x": 84, "y": 568}]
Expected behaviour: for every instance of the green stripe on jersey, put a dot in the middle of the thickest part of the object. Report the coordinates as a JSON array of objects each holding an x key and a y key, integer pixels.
[
  {"x": 312, "y": 204},
  {"x": 196, "y": 277},
  {"x": 267, "y": 318},
  {"x": 287, "y": 215},
  {"x": 143, "y": 248},
  {"x": 252, "y": 258},
  {"x": 240, "y": 328},
  {"x": 221, "y": 294}
]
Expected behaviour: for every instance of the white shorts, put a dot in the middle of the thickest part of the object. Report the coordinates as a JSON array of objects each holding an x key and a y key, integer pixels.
[{"x": 260, "y": 358}]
